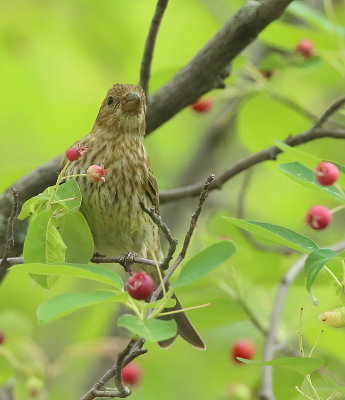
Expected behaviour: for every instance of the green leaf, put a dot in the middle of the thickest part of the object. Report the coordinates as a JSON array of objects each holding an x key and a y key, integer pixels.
[
  {"x": 302, "y": 174},
  {"x": 70, "y": 192},
  {"x": 313, "y": 265},
  {"x": 204, "y": 262},
  {"x": 31, "y": 205},
  {"x": 277, "y": 234},
  {"x": 59, "y": 306},
  {"x": 92, "y": 272},
  {"x": 296, "y": 154},
  {"x": 153, "y": 330},
  {"x": 303, "y": 366},
  {"x": 77, "y": 235},
  {"x": 43, "y": 244}
]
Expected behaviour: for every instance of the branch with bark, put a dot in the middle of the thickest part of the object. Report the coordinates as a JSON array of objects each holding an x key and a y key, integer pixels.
[{"x": 145, "y": 69}]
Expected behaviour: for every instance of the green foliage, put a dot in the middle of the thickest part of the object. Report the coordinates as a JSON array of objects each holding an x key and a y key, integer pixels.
[
  {"x": 202, "y": 263},
  {"x": 277, "y": 234},
  {"x": 303, "y": 366},
  {"x": 306, "y": 177},
  {"x": 59, "y": 306},
  {"x": 93, "y": 272},
  {"x": 313, "y": 265},
  {"x": 153, "y": 330}
]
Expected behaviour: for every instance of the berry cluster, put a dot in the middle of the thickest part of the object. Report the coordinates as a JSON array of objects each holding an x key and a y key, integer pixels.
[
  {"x": 319, "y": 217},
  {"x": 95, "y": 173}
]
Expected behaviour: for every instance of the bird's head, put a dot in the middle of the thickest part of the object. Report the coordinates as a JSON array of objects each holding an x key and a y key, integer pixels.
[{"x": 123, "y": 108}]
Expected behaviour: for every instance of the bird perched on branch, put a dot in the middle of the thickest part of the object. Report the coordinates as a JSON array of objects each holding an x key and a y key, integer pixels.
[{"x": 112, "y": 207}]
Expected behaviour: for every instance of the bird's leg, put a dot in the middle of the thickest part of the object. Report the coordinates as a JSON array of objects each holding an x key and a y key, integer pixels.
[{"x": 127, "y": 259}]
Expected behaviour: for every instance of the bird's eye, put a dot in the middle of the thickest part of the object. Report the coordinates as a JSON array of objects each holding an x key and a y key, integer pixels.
[{"x": 110, "y": 100}]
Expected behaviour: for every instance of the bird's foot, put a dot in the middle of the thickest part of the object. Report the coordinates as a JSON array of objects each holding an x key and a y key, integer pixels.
[{"x": 127, "y": 259}]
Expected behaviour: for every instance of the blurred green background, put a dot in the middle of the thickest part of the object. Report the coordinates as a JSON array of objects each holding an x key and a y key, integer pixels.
[{"x": 58, "y": 59}]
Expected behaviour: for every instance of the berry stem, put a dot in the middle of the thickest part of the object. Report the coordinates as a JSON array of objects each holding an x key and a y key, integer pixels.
[
  {"x": 159, "y": 274},
  {"x": 58, "y": 181},
  {"x": 316, "y": 343},
  {"x": 184, "y": 309},
  {"x": 73, "y": 176},
  {"x": 340, "y": 189},
  {"x": 133, "y": 307},
  {"x": 336, "y": 209}
]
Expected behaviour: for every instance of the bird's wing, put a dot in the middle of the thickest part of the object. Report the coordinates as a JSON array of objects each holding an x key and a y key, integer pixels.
[{"x": 151, "y": 191}]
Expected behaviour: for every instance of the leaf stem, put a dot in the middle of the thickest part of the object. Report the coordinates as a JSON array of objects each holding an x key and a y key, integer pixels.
[{"x": 333, "y": 276}]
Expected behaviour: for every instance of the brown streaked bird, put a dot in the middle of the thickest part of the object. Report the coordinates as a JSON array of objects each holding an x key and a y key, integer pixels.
[{"x": 112, "y": 208}]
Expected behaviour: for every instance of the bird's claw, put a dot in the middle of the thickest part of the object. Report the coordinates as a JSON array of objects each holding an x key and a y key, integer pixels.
[{"x": 127, "y": 259}]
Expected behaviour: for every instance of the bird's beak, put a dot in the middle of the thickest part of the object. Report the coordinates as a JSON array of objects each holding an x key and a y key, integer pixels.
[{"x": 132, "y": 102}]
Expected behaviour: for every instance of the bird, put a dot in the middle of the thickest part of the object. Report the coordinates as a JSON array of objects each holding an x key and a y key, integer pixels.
[{"x": 112, "y": 206}]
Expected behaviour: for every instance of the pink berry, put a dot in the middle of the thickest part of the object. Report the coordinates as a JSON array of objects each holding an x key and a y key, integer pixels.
[
  {"x": 202, "y": 106},
  {"x": 2, "y": 338},
  {"x": 74, "y": 153},
  {"x": 140, "y": 285},
  {"x": 326, "y": 173},
  {"x": 318, "y": 217},
  {"x": 243, "y": 348},
  {"x": 305, "y": 48},
  {"x": 96, "y": 173},
  {"x": 131, "y": 374}
]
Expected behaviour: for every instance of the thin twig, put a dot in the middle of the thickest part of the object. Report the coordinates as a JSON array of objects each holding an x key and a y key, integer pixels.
[
  {"x": 334, "y": 107},
  {"x": 145, "y": 68},
  {"x": 133, "y": 350},
  {"x": 266, "y": 392},
  {"x": 270, "y": 153},
  {"x": 97, "y": 260},
  {"x": 156, "y": 218},
  {"x": 193, "y": 222}
]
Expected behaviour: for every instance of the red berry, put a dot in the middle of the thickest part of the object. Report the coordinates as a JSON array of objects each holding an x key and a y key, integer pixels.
[
  {"x": 326, "y": 173},
  {"x": 318, "y": 217},
  {"x": 202, "y": 106},
  {"x": 131, "y": 374},
  {"x": 140, "y": 285},
  {"x": 2, "y": 338},
  {"x": 305, "y": 48},
  {"x": 96, "y": 173},
  {"x": 243, "y": 348},
  {"x": 74, "y": 153}
]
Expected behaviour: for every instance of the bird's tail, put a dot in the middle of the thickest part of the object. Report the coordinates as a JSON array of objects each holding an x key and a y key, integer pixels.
[{"x": 184, "y": 328}]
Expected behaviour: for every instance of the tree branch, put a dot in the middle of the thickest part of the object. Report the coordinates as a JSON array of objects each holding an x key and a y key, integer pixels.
[
  {"x": 157, "y": 219},
  {"x": 9, "y": 239},
  {"x": 333, "y": 108},
  {"x": 181, "y": 256},
  {"x": 209, "y": 67},
  {"x": 133, "y": 350},
  {"x": 97, "y": 260},
  {"x": 145, "y": 69},
  {"x": 269, "y": 153}
]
